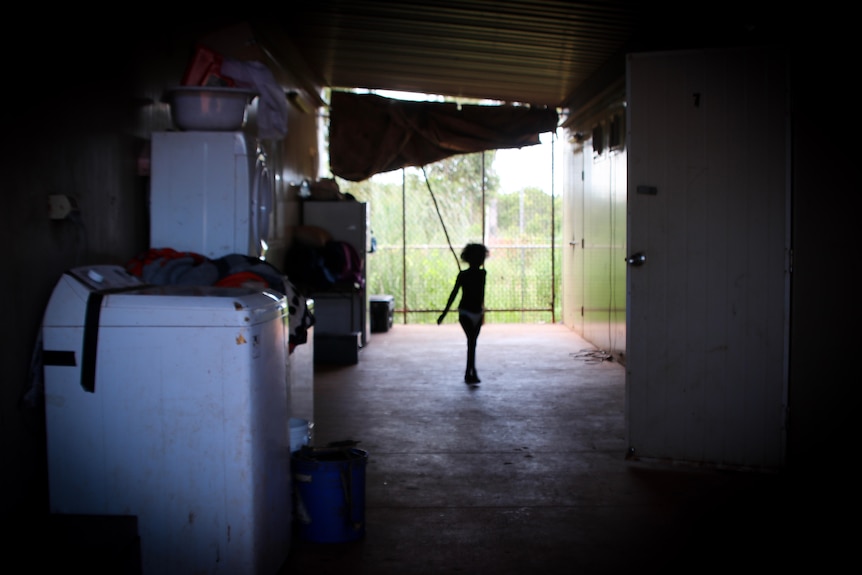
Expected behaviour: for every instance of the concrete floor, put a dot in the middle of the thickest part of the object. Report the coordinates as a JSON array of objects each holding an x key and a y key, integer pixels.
[{"x": 525, "y": 472}]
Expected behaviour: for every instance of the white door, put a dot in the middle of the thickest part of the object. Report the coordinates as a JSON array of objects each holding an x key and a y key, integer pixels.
[
  {"x": 573, "y": 233},
  {"x": 708, "y": 238}
]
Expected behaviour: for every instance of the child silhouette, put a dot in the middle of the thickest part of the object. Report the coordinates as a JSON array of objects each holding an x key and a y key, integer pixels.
[{"x": 471, "y": 308}]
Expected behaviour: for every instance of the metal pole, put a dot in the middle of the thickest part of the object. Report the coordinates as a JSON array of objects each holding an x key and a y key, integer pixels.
[
  {"x": 404, "y": 246},
  {"x": 553, "y": 234},
  {"x": 483, "y": 196}
]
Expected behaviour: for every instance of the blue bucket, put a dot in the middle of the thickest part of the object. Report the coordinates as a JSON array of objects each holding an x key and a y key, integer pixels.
[{"x": 329, "y": 484}]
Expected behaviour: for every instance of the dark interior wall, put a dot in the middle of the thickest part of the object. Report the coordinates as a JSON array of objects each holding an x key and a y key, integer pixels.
[
  {"x": 78, "y": 123},
  {"x": 73, "y": 132},
  {"x": 824, "y": 310}
]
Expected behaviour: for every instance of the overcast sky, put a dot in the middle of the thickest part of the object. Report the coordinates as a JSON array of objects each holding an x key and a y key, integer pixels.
[{"x": 525, "y": 167}]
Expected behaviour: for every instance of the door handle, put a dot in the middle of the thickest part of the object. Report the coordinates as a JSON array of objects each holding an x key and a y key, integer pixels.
[{"x": 636, "y": 259}]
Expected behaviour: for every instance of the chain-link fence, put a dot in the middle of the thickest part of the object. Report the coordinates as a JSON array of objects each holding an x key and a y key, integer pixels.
[{"x": 422, "y": 218}]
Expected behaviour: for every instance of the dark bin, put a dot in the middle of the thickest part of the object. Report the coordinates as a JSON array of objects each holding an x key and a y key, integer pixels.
[{"x": 382, "y": 310}]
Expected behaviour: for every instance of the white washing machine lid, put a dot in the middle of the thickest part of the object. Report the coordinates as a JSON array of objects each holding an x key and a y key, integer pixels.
[
  {"x": 191, "y": 306},
  {"x": 93, "y": 299},
  {"x": 117, "y": 299}
]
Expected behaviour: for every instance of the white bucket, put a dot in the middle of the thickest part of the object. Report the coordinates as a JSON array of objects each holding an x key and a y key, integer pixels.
[{"x": 300, "y": 433}]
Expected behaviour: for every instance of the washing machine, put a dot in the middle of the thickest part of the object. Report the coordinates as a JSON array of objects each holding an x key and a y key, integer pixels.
[
  {"x": 211, "y": 193},
  {"x": 169, "y": 403}
]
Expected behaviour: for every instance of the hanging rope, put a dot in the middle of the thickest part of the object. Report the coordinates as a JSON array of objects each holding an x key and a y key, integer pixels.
[{"x": 439, "y": 215}]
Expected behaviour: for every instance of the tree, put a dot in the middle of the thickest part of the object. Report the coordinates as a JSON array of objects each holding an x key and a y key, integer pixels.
[
  {"x": 526, "y": 215},
  {"x": 420, "y": 233}
]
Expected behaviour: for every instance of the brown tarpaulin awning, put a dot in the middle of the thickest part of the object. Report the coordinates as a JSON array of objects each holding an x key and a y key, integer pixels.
[{"x": 370, "y": 134}]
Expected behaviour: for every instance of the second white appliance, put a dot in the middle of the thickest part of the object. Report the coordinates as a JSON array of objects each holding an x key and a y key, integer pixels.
[{"x": 211, "y": 193}]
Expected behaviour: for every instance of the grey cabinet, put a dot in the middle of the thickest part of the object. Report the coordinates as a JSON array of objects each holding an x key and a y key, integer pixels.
[{"x": 341, "y": 313}]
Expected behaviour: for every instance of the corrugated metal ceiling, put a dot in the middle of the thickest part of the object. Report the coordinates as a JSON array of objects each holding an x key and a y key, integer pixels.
[
  {"x": 530, "y": 52},
  {"x": 543, "y": 52}
]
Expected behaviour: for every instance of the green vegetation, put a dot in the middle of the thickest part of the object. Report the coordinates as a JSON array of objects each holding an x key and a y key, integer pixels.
[{"x": 414, "y": 260}]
